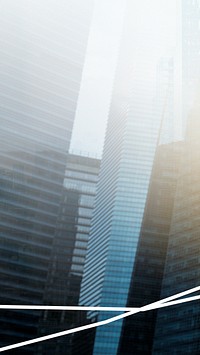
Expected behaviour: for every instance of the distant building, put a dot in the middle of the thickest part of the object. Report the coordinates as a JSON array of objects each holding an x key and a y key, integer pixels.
[
  {"x": 190, "y": 53},
  {"x": 138, "y": 331},
  {"x": 42, "y": 51},
  {"x": 165, "y": 99}
]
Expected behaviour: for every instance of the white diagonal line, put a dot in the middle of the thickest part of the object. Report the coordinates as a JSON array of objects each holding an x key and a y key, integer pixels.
[
  {"x": 154, "y": 305},
  {"x": 172, "y": 303}
]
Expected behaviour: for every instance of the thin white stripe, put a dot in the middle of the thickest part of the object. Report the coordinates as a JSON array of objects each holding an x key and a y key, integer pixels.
[
  {"x": 154, "y": 305},
  {"x": 67, "y": 308}
]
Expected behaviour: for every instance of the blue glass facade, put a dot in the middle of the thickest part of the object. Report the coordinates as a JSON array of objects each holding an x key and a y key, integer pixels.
[
  {"x": 42, "y": 53},
  {"x": 121, "y": 193}
]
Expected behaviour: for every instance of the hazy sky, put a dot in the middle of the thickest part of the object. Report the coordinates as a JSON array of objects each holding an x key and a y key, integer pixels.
[{"x": 155, "y": 19}]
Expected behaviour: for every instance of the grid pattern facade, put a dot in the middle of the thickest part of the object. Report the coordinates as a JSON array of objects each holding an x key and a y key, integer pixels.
[
  {"x": 180, "y": 332},
  {"x": 68, "y": 252},
  {"x": 177, "y": 329},
  {"x": 138, "y": 331},
  {"x": 121, "y": 194},
  {"x": 42, "y": 54}
]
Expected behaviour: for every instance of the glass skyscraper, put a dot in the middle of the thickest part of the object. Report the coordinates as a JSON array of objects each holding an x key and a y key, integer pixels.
[
  {"x": 131, "y": 137},
  {"x": 69, "y": 250},
  {"x": 138, "y": 331},
  {"x": 42, "y": 52},
  {"x": 177, "y": 328},
  {"x": 129, "y": 149}
]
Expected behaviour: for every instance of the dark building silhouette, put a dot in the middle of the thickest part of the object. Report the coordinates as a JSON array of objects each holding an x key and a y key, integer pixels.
[
  {"x": 178, "y": 328},
  {"x": 138, "y": 330},
  {"x": 68, "y": 253},
  {"x": 83, "y": 342}
]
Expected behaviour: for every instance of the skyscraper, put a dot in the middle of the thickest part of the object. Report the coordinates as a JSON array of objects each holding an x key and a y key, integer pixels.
[
  {"x": 43, "y": 47},
  {"x": 69, "y": 250},
  {"x": 122, "y": 189},
  {"x": 138, "y": 331},
  {"x": 177, "y": 329},
  {"x": 171, "y": 336},
  {"x": 180, "y": 333}
]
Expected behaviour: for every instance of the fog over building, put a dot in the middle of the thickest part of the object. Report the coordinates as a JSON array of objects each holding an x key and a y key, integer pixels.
[
  {"x": 129, "y": 149},
  {"x": 177, "y": 329},
  {"x": 190, "y": 54},
  {"x": 43, "y": 49}
]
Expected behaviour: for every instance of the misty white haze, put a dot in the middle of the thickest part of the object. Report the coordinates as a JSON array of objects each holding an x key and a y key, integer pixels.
[{"x": 156, "y": 24}]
